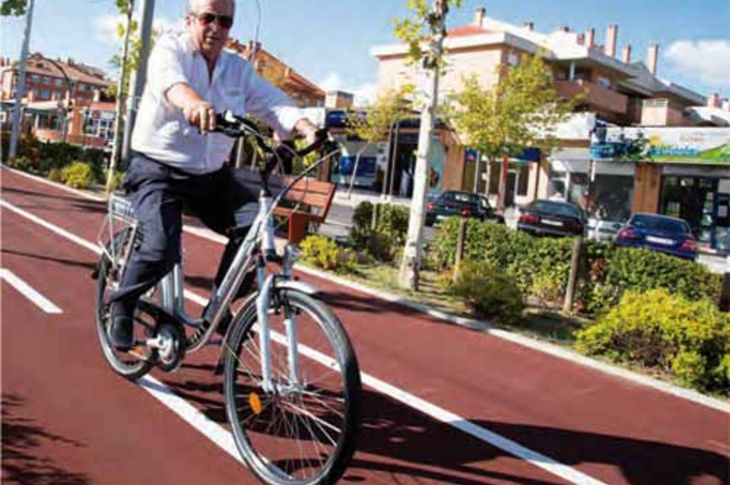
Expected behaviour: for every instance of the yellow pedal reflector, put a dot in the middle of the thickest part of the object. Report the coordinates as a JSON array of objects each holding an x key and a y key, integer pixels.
[{"x": 255, "y": 402}]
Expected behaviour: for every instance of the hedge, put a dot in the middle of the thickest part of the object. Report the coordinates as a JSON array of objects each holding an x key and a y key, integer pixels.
[{"x": 541, "y": 266}]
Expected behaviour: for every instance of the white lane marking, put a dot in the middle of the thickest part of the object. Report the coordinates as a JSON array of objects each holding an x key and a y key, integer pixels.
[
  {"x": 554, "y": 350},
  {"x": 214, "y": 431},
  {"x": 29, "y": 292},
  {"x": 210, "y": 429},
  {"x": 51, "y": 227}
]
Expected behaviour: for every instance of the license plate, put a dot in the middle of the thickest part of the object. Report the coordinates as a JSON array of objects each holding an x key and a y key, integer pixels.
[
  {"x": 660, "y": 240},
  {"x": 551, "y": 222}
]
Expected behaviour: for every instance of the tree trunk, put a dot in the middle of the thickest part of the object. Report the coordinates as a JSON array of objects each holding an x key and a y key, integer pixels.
[
  {"x": 410, "y": 265},
  {"x": 119, "y": 109},
  {"x": 504, "y": 171}
]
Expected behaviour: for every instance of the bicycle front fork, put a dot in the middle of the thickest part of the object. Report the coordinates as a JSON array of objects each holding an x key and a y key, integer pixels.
[{"x": 291, "y": 340}]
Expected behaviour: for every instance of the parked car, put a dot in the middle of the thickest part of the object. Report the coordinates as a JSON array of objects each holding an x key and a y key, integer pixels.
[
  {"x": 660, "y": 233},
  {"x": 552, "y": 218},
  {"x": 602, "y": 230},
  {"x": 464, "y": 204}
]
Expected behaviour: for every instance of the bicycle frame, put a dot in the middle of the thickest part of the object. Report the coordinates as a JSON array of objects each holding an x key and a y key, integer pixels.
[{"x": 257, "y": 248}]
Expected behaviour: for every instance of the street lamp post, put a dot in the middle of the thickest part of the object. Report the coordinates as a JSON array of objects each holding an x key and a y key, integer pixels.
[{"x": 20, "y": 85}]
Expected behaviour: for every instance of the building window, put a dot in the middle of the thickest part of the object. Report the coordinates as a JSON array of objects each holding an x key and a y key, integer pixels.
[
  {"x": 523, "y": 177},
  {"x": 45, "y": 94},
  {"x": 512, "y": 59},
  {"x": 47, "y": 80},
  {"x": 604, "y": 82},
  {"x": 59, "y": 82},
  {"x": 35, "y": 78}
]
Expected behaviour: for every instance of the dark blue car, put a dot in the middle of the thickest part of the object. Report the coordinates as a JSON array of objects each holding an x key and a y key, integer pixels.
[{"x": 660, "y": 233}]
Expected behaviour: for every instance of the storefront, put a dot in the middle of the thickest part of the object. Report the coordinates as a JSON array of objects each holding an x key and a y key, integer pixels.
[
  {"x": 680, "y": 172},
  {"x": 385, "y": 167}
]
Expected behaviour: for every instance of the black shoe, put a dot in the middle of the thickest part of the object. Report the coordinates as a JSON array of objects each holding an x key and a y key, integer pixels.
[{"x": 121, "y": 334}]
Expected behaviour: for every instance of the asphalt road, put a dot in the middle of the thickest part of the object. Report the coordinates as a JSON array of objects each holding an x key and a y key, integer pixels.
[{"x": 442, "y": 404}]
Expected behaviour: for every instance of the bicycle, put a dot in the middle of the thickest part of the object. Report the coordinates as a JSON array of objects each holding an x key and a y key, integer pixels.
[{"x": 291, "y": 380}]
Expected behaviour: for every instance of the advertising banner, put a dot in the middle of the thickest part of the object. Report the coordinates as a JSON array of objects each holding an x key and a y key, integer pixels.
[{"x": 710, "y": 146}]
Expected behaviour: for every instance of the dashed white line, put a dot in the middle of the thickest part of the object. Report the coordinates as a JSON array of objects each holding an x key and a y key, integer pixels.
[{"x": 29, "y": 292}]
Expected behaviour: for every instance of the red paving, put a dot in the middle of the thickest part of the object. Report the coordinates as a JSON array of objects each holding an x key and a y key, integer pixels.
[{"x": 67, "y": 415}]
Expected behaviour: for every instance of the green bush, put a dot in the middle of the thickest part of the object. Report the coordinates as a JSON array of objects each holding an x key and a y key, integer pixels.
[
  {"x": 55, "y": 175},
  {"x": 78, "y": 175},
  {"x": 488, "y": 292},
  {"x": 384, "y": 242},
  {"x": 541, "y": 266},
  {"x": 324, "y": 253},
  {"x": 25, "y": 164},
  {"x": 689, "y": 339}
]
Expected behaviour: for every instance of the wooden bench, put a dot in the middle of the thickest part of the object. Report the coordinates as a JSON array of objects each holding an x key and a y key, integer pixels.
[{"x": 310, "y": 200}]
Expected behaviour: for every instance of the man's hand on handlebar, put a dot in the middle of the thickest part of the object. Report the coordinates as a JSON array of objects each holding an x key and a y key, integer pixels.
[{"x": 200, "y": 114}]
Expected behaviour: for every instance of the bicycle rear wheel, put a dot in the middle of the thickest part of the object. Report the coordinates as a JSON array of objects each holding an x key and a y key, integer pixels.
[
  {"x": 125, "y": 364},
  {"x": 302, "y": 431}
]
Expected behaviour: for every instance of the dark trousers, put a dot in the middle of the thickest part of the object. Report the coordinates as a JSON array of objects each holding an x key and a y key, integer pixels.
[{"x": 159, "y": 194}]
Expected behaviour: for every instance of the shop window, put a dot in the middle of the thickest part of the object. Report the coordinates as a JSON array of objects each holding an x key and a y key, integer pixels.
[{"x": 612, "y": 195}]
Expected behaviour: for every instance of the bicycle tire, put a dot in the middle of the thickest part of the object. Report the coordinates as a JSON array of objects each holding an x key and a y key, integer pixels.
[
  {"x": 128, "y": 366},
  {"x": 261, "y": 443}
]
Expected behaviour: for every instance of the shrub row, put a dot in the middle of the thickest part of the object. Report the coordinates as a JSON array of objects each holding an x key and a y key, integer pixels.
[
  {"x": 540, "y": 266},
  {"x": 51, "y": 159}
]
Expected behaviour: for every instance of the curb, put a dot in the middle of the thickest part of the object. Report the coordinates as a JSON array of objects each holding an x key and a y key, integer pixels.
[{"x": 469, "y": 323}]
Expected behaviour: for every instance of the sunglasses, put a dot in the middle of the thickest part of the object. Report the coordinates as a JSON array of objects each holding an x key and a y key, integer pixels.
[{"x": 223, "y": 21}]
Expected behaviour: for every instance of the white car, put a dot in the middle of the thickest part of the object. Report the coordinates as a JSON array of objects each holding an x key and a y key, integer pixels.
[{"x": 603, "y": 230}]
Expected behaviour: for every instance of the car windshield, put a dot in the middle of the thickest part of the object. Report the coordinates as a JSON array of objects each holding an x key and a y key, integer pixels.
[
  {"x": 557, "y": 208},
  {"x": 659, "y": 223}
]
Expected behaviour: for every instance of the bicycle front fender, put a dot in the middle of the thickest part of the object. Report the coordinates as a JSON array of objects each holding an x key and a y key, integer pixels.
[{"x": 288, "y": 284}]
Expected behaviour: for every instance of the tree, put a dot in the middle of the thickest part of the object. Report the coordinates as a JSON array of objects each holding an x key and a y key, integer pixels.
[
  {"x": 422, "y": 24},
  {"x": 14, "y": 8},
  {"x": 373, "y": 123},
  {"x": 521, "y": 111}
]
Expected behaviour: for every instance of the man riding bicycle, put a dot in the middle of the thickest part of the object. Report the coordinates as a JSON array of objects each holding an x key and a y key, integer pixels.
[{"x": 178, "y": 163}]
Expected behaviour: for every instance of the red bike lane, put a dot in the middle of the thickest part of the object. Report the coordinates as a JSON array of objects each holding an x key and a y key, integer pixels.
[{"x": 609, "y": 428}]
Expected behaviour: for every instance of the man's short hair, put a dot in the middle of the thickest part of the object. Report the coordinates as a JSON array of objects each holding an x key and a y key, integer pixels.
[{"x": 190, "y": 6}]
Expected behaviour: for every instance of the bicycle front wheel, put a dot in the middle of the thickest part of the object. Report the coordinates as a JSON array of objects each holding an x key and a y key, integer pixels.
[{"x": 303, "y": 429}]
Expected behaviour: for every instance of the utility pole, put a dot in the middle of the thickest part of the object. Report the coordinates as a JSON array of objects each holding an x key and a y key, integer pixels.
[
  {"x": 20, "y": 85},
  {"x": 410, "y": 265},
  {"x": 140, "y": 75},
  {"x": 119, "y": 109}
]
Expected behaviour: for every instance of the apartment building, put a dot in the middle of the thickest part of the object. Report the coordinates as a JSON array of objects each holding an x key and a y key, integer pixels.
[
  {"x": 64, "y": 100},
  {"x": 619, "y": 92}
]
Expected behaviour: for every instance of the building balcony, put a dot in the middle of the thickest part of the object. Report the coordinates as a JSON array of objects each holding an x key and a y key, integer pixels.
[{"x": 597, "y": 96}]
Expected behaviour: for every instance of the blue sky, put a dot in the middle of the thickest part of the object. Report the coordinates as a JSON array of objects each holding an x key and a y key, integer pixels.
[{"x": 329, "y": 40}]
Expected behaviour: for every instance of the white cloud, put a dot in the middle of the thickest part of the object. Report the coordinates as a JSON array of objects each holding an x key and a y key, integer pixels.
[
  {"x": 364, "y": 94},
  {"x": 332, "y": 82},
  {"x": 706, "y": 60},
  {"x": 105, "y": 27}
]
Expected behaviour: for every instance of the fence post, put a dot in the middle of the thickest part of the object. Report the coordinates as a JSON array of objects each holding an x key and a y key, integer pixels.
[
  {"x": 460, "y": 245},
  {"x": 573, "y": 276},
  {"x": 725, "y": 293}
]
